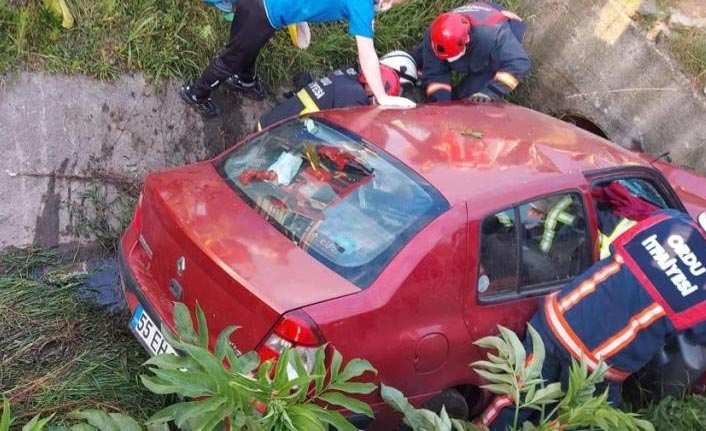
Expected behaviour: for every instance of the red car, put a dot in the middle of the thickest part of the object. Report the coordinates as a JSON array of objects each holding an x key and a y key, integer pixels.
[{"x": 399, "y": 236}]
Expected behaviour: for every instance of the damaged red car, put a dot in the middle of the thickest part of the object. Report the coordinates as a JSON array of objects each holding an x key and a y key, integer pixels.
[{"x": 398, "y": 236}]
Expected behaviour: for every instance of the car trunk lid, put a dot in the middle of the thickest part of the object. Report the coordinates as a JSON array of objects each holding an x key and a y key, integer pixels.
[{"x": 210, "y": 247}]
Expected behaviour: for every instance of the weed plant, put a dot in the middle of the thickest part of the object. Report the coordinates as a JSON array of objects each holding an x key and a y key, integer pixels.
[
  {"x": 176, "y": 39},
  {"x": 58, "y": 351}
]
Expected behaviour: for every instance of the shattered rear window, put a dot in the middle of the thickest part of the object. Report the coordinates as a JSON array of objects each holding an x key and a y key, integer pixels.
[{"x": 344, "y": 202}]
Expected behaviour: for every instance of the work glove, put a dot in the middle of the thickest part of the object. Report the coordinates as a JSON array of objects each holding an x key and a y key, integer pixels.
[
  {"x": 480, "y": 98},
  {"x": 396, "y": 102}
]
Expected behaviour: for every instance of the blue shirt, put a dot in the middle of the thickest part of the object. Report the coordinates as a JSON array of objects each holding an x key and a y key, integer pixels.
[{"x": 359, "y": 13}]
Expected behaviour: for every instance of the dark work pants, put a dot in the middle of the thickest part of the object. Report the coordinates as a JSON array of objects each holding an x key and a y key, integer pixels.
[
  {"x": 249, "y": 32},
  {"x": 557, "y": 364}
]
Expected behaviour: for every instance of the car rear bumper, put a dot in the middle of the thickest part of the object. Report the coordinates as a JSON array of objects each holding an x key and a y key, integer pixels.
[{"x": 134, "y": 295}]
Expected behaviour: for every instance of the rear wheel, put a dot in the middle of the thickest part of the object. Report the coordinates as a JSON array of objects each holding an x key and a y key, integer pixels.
[{"x": 451, "y": 399}]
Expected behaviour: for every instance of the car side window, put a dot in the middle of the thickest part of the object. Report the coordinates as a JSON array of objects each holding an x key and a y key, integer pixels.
[{"x": 533, "y": 246}]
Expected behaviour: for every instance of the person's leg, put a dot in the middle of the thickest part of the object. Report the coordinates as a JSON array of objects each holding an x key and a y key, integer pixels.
[{"x": 249, "y": 32}]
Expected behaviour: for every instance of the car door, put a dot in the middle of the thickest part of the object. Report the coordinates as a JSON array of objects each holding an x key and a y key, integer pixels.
[{"x": 524, "y": 251}]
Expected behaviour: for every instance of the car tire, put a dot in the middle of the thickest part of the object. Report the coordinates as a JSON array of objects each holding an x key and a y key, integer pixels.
[{"x": 454, "y": 402}]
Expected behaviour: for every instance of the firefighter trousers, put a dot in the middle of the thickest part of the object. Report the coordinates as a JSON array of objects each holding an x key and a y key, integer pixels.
[{"x": 249, "y": 32}]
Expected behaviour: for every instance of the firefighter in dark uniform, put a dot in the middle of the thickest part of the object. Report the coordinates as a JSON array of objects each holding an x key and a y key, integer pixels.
[
  {"x": 623, "y": 310},
  {"x": 339, "y": 89},
  {"x": 482, "y": 41}
]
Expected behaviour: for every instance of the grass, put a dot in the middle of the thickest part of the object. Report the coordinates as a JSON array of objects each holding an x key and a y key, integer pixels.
[
  {"x": 60, "y": 351},
  {"x": 688, "y": 46},
  {"x": 686, "y": 414},
  {"x": 176, "y": 38}
]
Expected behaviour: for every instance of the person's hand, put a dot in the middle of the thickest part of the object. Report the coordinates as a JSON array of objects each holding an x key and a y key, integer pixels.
[
  {"x": 396, "y": 102},
  {"x": 480, "y": 98}
]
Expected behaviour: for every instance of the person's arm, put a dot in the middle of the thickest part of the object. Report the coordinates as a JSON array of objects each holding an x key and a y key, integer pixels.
[
  {"x": 513, "y": 64},
  {"x": 370, "y": 66}
]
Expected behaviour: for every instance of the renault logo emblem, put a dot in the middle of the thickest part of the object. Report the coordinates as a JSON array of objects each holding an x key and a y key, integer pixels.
[{"x": 180, "y": 266}]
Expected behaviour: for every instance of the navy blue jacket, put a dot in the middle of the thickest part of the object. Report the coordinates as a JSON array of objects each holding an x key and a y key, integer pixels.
[
  {"x": 339, "y": 89},
  {"x": 625, "y": 308},
  {"x": 493, "y": 48}
]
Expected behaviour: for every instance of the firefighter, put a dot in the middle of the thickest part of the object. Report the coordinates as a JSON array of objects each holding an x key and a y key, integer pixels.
[
  {"x": 255, "y": 23},
  {"x": 483, "y": 41},
  {"x": 623, "y": 309},
  {"x": 339, "y": 89}
]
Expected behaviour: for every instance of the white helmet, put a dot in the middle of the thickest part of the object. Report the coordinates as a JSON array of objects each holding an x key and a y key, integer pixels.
[
  {"x": 403, "y": 63},
  {"x": 702, "y": 220}
]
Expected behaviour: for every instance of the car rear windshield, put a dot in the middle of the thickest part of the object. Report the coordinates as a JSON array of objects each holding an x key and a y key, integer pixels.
[{"x": 343, "y": 201}]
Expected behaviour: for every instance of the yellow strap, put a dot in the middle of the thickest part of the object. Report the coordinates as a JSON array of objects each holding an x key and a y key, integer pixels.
[
  {"x": 556, "y": 214},
  {"x": 307, "y": 101},
  {"x": 292, "y": 28},
  {"x": 508, "y": 79},
  {"x": 605, "y": 240},
  {"x": 437, "y": 86}
]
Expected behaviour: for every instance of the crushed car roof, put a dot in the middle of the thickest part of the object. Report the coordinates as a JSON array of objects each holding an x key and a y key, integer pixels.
[{"x": 472, "y": 152}]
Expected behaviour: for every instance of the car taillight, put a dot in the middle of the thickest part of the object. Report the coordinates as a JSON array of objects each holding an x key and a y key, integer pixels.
[
  {"x": 296, "y": 331},
  {"x": 137, "y": 218}
]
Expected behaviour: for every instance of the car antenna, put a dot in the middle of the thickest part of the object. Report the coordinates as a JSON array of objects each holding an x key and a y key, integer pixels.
[{"x": 661, "y": 156}]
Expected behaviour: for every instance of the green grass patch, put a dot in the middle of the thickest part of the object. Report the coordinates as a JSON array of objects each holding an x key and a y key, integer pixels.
[
  {"x": 61, "y": 352},
  {"x": 689, "y": 49},
  {"x": 176, "y": 39},
  {"x": 686, "y": 414}
]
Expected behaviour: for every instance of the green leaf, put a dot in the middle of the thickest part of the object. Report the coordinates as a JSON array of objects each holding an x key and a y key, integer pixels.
[
  {"x": 184, "y": 324},
  {"x": 83, "y": 427},
  {"x": 547, "y": 395},
  {"x": 165, "y": 415},
  {"x": 492, "y": 343},
  {"x": 534, "y": 369},
  {"x": 6, "y": 413},
  {"x": 195, "y": 409},
  {"x": 158, "y": 386},
  {"x": 97, "y": 418},
  {"x": 304, "y": 418},
  {"x": 36, "y": 424},
  {"x": 336, "y": 364},
  {"x": 339, "y": 399},
  {"x": 355, "y": 368},
  {"x": 494, "y": 367},
  {"x": 125, "y": 422},
  {"x": 354, "y": 387},
  {"x": 332, "y": 418},
  {"x": 508, "y": 379},
  {"x": 394, "y": 397},
  {"x": 281, "y": 375},
  {"x": 319, "y": 368},
  {"x": 210, "y": 364},
  {"x": 518, "y": 355},
  {"x": 223, "y": 342},
  {"x": 203, "y": 327},
  {"x": 171, "y": 362},
  {"x": 190, "y": 384},
  {"x": 249, "y": 362}
]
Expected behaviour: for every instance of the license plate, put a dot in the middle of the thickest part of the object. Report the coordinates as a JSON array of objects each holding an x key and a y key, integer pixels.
[{"x": 148, "y": 333}]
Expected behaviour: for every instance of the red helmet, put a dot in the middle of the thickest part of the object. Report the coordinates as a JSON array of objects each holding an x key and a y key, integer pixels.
[
  {"x": 449, "y": 35},
  {"x": 390, "y": 80}
]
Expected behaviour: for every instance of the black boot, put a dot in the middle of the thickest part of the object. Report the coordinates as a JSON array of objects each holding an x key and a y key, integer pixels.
[
  {"x": 254, "y": 89},
  {"x": 203, "y": 105}
]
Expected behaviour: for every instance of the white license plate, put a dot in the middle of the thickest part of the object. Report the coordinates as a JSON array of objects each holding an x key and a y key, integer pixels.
[{"x": 148, "y": 333}]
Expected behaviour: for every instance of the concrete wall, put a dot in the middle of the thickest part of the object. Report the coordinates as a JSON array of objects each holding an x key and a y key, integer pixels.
[
  {"x": 592, "y": 60},
  {"x": 61, "y": 135}
]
